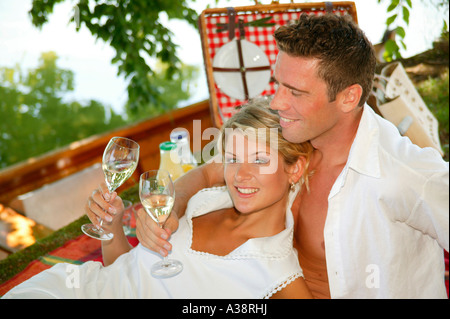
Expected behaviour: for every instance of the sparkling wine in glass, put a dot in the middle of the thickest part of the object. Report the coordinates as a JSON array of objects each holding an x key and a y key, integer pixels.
[
  {"x": 157, "y": 194},
  {"x": 120, "y": 159}
]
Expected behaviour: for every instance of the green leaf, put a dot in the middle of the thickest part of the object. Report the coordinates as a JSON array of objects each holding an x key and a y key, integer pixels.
[
  {"x": 400, "y": 32},
  {"x": 444, "y": 27},
  {"x": 405, "y": 15},
  {"x": 403, "y": 44},
  {"x": 391, "y": 19},
  {"x": 391, "y": 49},
  {"x": 391, "y": 7}
]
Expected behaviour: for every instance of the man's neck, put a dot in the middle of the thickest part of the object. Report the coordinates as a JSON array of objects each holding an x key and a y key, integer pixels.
[{"x": 333, "y": 148}]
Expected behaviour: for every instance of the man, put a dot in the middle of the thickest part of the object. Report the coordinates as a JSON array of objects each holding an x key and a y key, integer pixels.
[{"x": 375, "y": 220}]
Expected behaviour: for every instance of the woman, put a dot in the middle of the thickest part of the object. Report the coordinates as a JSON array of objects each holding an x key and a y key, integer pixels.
[{"x": 234, "y": 241}]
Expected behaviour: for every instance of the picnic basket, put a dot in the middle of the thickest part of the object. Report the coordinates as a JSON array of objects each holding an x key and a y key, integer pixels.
[
  {"x": 237, "y": 35},
  {"x": 397, "y": 100}
]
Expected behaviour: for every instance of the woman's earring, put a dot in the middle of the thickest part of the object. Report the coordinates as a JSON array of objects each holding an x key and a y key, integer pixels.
[{"x": 292, "y": 186}]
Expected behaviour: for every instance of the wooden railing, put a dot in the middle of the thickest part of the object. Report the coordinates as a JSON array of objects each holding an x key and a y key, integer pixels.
[{"x": 50, "y": 167}]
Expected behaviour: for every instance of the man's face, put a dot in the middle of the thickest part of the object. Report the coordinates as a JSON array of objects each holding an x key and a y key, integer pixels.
[{"x": 302, "y": 100}]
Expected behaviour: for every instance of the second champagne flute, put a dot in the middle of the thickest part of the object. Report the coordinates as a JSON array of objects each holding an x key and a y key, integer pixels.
[
  {"x": 119, "y": 161},
  {"x": 157, "y": 194}
]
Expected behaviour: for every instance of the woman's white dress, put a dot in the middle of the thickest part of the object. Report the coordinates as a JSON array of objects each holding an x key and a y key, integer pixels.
[{"x": 256, "y": 269}]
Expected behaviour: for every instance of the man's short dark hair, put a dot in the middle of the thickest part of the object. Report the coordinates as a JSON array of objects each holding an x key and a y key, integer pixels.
[{"x": 345, "y": 55}]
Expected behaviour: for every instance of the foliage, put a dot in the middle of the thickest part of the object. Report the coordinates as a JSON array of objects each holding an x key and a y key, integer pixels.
[
  {"x": 434, "y": 92},
  {"x": 134, "y": 29},
  {"x": 398, "y": 8},
  {"x": 38, "y": 119},
  {"x": 170, "y": 91},
  {"x": 399, "y": 12}
]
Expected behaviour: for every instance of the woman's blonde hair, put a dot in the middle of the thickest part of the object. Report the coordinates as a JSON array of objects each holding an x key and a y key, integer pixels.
[{"x": 257, "y": 115}]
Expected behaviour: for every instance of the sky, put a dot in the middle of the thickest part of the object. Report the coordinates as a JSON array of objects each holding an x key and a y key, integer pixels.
[{"x": 90, "y": 59}]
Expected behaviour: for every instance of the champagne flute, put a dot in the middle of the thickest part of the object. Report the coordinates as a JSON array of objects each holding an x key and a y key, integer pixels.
[
  {"x": 157, "y": 194},
  {"x": 120, "y": 159}
]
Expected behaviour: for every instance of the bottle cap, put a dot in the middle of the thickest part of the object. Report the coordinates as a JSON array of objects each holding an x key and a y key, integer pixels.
[
  {"x": 178, "y": 135},
  {"x": 167, "y": 146}
]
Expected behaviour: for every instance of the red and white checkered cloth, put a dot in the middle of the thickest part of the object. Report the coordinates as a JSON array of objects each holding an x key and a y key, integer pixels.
[{"x": 261, "y": 36}]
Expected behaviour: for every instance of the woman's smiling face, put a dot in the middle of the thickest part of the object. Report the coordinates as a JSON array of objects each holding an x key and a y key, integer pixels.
[{"x": 250, "y": 188}]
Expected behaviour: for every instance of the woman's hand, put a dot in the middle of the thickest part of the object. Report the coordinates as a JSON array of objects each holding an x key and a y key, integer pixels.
[{"x": 103, "y": 205}]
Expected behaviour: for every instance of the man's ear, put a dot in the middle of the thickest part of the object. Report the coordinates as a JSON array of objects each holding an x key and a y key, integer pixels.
[{"x": 349, "y": 98}]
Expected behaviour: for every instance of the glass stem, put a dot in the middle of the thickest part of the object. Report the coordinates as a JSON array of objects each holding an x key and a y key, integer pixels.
[
  {"x": 101, "y": 219},
  {"x": 165, "y": 258}
]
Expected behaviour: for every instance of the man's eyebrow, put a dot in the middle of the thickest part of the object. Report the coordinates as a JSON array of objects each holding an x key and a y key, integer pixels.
[{"x": 288, "y": 86}]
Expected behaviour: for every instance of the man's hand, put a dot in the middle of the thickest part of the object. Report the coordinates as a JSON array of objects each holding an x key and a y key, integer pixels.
[
  {"x": 151, "y": 236},
  {"x": 148, "y": 231}
]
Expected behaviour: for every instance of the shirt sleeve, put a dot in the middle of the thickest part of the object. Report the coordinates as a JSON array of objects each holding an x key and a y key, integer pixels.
[{"x": 431, "y": 212}]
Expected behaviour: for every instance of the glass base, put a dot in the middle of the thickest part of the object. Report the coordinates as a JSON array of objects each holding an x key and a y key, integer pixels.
[
  {"x": 98, "y": 233},
  {"x": 166, "y": 268}
]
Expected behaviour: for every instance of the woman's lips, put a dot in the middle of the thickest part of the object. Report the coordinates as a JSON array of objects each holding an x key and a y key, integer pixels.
[{"x": 246, "y": 191}]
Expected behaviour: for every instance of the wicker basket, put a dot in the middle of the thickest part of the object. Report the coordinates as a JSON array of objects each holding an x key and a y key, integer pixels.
[{"x": 256, "y": 24}]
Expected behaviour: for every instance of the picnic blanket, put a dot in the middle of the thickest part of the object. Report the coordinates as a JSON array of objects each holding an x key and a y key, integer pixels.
[{"x": 75, "y": 251}]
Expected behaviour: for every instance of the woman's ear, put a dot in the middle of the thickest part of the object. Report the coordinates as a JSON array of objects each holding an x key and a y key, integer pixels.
[{"x": 296, "y": 170}]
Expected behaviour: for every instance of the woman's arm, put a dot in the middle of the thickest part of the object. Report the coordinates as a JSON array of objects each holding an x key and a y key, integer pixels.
[
  {"x": 109, "y": 207},
  {"x": 295, "y": 290},
  {"x": 155, "y": 238}
]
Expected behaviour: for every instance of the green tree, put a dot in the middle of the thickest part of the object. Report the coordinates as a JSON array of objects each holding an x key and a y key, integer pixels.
[
  {"x": 170, "y": 91},
  {"x": 35, "y": 119},
  {"x": 135, "y": 30}
]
